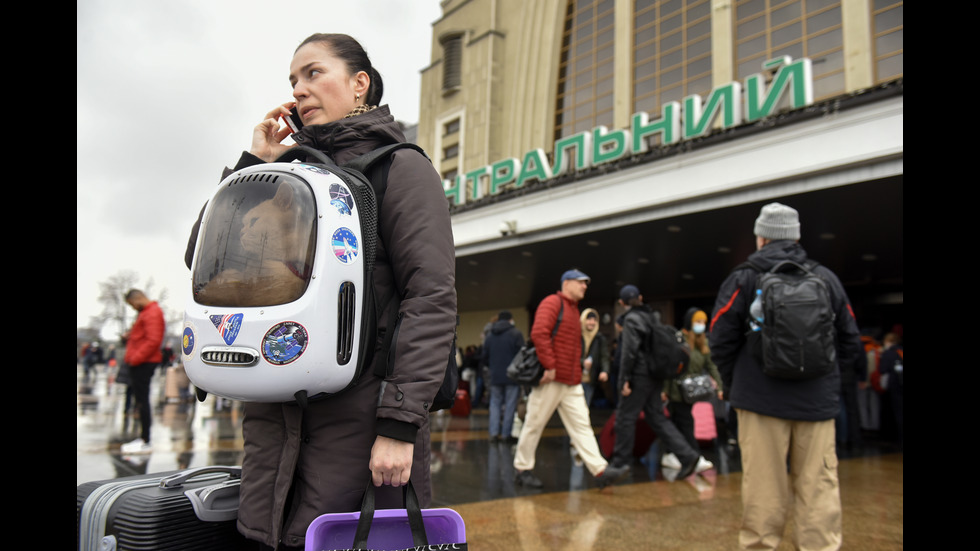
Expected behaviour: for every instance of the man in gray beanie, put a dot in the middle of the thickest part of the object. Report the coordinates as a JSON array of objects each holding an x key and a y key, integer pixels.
[{"x": 782, "y": 417}]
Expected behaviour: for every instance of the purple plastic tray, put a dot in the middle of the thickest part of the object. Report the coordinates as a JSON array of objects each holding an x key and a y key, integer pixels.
[{"x": 389, "y": 531}]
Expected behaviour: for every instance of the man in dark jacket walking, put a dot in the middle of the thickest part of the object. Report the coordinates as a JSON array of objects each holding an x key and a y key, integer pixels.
[
  {"x": 780, "y": 418},
  {"x": 502, "y": 343},
  {"x": 641, "y": 391}
]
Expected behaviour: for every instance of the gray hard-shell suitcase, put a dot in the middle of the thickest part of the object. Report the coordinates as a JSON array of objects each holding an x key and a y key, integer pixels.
[{"x": 186, "y": 510}]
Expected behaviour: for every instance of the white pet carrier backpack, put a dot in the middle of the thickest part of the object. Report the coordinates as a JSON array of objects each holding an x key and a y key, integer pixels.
[{"x": 282, "y": 282}]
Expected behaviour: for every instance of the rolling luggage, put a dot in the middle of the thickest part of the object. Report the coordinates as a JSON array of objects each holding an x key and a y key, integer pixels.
[
  {"x": 462, "y": 406},
  {"x": 705, "y": 429},
  {"x": 176, "y": 384},
  {"x": 644, "y": 437},
  {"x": 193, "y": 509}
]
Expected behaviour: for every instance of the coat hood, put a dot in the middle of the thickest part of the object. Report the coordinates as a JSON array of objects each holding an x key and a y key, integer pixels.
[
  {"x": 776, "y": 252},
  {"x": 501, "y": 326},
  {"x": 346, "y": 139},
  {"x": 587, "y": 335}
]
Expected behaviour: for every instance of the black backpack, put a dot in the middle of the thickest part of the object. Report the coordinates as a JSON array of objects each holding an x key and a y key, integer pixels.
[
  {"x": 665, "y": 346},
  {"x": 374, "y": 166},
  {"x": 797, "y": 333}
]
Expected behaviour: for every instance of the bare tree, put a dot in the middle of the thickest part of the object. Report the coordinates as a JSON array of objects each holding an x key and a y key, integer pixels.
[{"x": 116, "y": 314}]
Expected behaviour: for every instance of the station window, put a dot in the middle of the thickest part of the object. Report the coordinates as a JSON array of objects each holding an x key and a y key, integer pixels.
[
  {"x": 452, "y": 61},
  {"x": 671, "y": 52},
  {"x": 887, "y": 24},
  {"x": 585, "y": 72},
  {"x": 450, "y": 127},
  {"x": 766, "y": 29},
  {"x": 450, "y": 152}
]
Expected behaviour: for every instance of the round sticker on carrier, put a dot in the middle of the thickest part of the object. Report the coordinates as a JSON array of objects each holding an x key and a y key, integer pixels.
[
  {"x": 187, "y": 341},
  {"x": 344, "y": 244},
  {"x": 341, "y": 206},
  {"x": 338, "y": 192},
  {"x": 284, "y": 343}
]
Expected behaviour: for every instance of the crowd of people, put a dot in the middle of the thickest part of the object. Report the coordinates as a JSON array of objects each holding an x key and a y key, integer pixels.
[
  {"x": 794, "y": 412},
  {"x": 868, "y": 404}
]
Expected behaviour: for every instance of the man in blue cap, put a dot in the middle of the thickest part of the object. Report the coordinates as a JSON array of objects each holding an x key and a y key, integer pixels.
[{"x": 557, "y": 337}]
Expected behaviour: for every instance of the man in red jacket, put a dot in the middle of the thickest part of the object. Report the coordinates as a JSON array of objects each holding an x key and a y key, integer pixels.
[
  {"x": 143, "y": 354},
  {"x": 557, "y": 337}
]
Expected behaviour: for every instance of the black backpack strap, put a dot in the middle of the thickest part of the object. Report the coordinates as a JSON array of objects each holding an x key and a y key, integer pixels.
[
  {"x": 561, "y": 312},
  {"x": 367, "y": 160},
  {"x": 377, "y": 174},
  {"x": 748, "y": 265},
  {"x": 809, "y": 264},
  {"x": 374, "y": 165},
  {"x": 381, "y": 365}
]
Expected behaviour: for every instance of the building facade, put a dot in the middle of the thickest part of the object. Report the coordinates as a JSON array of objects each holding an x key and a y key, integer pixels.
[{"x": 636, "y": 140}]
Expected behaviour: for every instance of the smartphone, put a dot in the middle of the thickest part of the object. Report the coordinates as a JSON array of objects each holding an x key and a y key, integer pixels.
[{"x": 293, "y": 119}]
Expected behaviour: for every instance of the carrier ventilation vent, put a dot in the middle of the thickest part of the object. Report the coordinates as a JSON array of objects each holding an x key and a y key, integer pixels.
[
  {"x": 346, "y": 302},
  {"x": 229, "y": 356},
  {"x": 255, "y": 177}
]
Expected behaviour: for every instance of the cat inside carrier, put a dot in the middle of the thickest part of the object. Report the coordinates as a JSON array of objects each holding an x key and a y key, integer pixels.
[{"x": 280, "y": 284}]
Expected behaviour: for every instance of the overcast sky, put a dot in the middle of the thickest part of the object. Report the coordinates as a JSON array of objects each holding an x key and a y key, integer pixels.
[{"x": 167, "y": 95}]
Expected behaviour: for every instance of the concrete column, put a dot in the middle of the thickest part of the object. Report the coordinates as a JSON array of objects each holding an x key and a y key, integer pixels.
[
  {"x": 623, "y": 85},
  {"x": 722, "y": 42},
  {"x": 858, "y": 54}
]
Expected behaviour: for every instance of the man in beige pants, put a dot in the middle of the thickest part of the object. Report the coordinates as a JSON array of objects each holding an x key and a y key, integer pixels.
[
  {"x": 557, "y": 337},
  {"x": 785, "y": 425}
]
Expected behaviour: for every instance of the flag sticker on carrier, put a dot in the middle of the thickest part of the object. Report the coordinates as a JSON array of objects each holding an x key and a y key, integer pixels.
[
  {"x": 344, "y": 244},
  {"x": 228, "y": 326},
  {"x": 284, "y": 343}
]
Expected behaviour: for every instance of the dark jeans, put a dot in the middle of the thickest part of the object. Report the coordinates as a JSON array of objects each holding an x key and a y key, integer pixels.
[
  {"x": 140, "y": 376},
  {"x": 645, "y": 397},
  {"x": 477, "y": 396},
  {"x": 503, "y": 406},
  {"x": 681, "y": 414}
]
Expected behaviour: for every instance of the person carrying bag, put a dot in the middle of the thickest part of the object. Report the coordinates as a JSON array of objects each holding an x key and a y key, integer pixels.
[
  {"x": 374, "y": 529},
  {"x": 526, "y": 368}
]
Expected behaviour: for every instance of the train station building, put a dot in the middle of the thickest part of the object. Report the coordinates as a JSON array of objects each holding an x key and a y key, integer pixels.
[{"x": 636, "y": 141}]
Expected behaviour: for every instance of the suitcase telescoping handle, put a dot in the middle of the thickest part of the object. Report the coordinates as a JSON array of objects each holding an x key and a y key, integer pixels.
[
  {"x": 177, "y": 480},
  {"x": 216, "y": 502}
]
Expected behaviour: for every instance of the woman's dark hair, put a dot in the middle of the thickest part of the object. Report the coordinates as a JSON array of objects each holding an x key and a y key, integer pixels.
[{"x": 350, "y": 52}]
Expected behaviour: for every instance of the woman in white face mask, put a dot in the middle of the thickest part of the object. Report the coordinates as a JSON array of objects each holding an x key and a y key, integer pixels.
[{"x": 695, "y": 330}]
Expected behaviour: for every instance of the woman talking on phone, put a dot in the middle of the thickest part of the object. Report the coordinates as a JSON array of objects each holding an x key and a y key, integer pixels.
[{"x": 300, "y": 463}]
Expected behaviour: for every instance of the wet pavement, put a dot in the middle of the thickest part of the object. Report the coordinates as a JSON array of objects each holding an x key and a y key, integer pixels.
[{"x": 474, "y": 476}]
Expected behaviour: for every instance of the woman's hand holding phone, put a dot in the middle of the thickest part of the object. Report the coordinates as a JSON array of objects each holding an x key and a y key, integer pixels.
[{"x": 268, "y": 135}]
